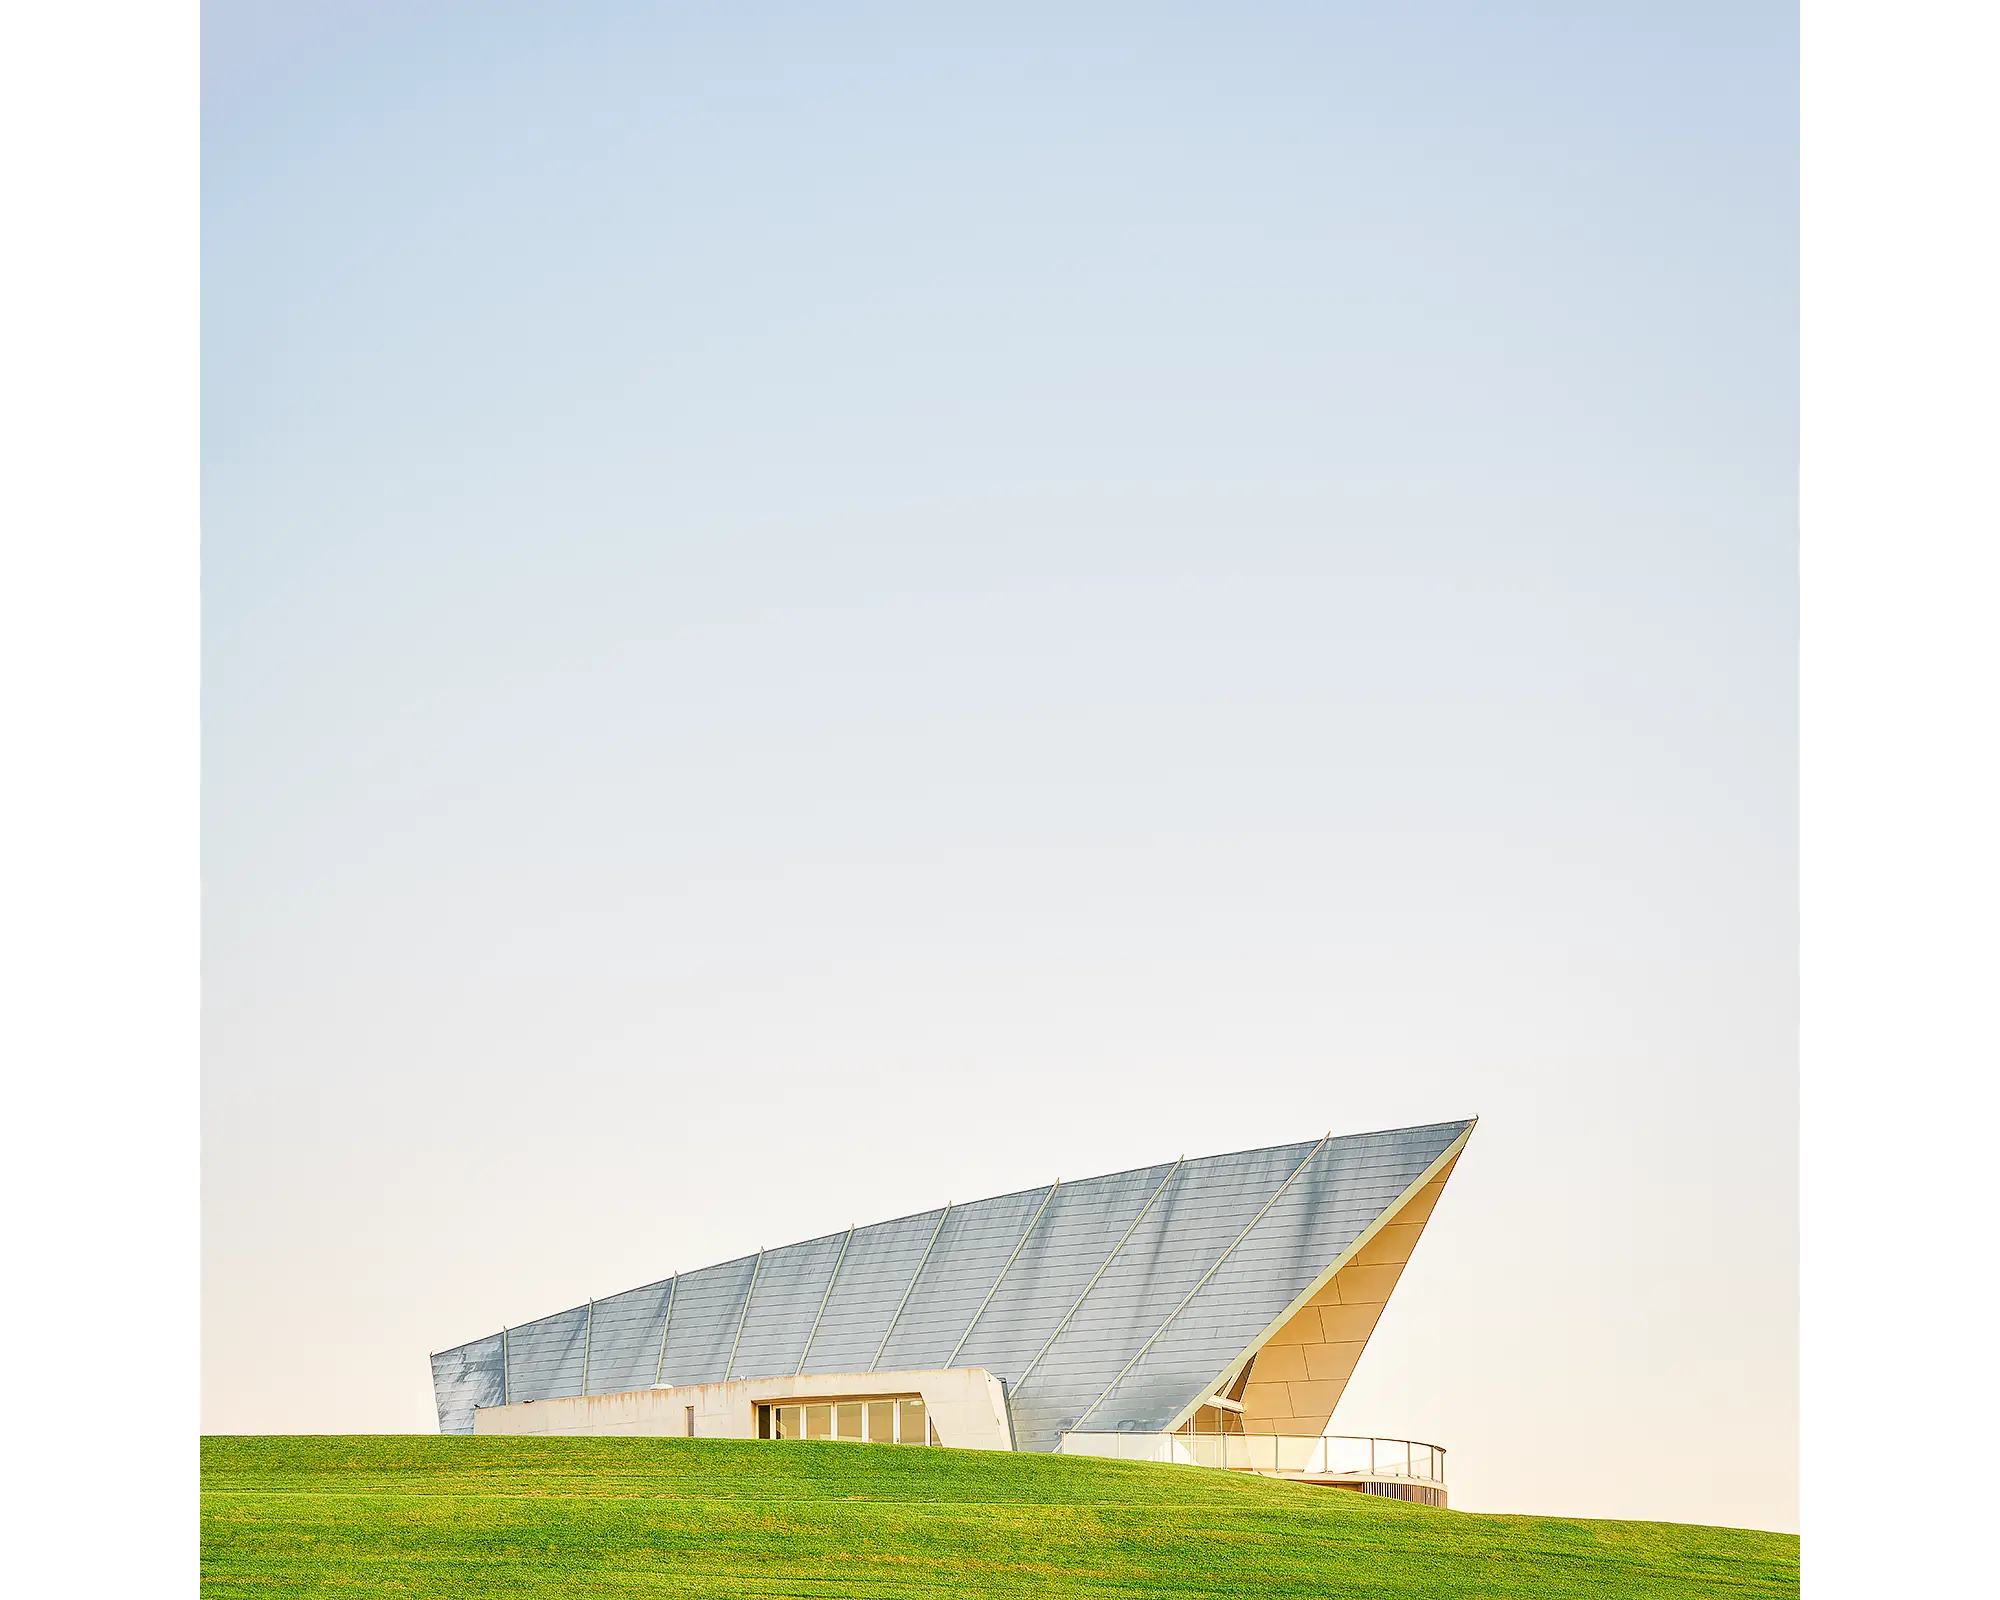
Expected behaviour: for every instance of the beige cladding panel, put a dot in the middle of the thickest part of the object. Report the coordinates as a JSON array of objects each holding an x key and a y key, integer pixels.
[
  {"x": 1363, "y": 1286},
  {"x": 1390, "y": 1247},
  {"x": 1263, "y": 1402},
  {"x": 1331, "y": 1363},
  {"x": 1348, "y": 1324},
  {"x": 1424, "y": 1201},
  {"x": 1314, "y": 1400},
  {"x": 1282, "y": 1363},
  {"x": 1302, "y": 1329}
]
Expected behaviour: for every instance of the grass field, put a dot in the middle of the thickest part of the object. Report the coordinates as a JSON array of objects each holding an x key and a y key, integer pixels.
[{"x": 416, "y": 1516}]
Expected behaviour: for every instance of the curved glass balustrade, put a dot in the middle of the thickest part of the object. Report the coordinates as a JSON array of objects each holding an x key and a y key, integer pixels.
[
  {"x": 1335, "y": 1458},
  {"x": 1341, "y": 1456}
]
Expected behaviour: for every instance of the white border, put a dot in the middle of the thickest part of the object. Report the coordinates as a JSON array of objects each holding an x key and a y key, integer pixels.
[
  {"x": 1900, "y": 434},
  {"x": 98, "y": 611},
  {"x": 99, "y": 820}
]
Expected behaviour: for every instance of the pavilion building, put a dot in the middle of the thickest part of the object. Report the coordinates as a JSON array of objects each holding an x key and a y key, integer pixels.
[{"x": 1208, "y": 1311}]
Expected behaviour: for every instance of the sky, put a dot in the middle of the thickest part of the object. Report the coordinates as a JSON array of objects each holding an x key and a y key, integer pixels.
[{"x": 813, "y": 610}]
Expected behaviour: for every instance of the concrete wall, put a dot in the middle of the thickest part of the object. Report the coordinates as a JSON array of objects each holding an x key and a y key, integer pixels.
[{"x": 966, "y": 1404}]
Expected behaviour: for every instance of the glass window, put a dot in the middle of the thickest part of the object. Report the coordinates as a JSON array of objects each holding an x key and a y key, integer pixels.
[{"x": 878, "y": 1419}]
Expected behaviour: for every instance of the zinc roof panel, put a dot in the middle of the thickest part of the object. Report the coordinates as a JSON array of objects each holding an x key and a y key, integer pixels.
[
  {"x": 878, "y": 1267},
  {"x": 545, "y": 1358},
  {"x": 1071, "y": 1242},
  {"x": 791, "y": 1283},
  {"x": 972, "y": 1247},
  {"x": 625, "y": 1338},
  {"x": 706, "y": 1309}
]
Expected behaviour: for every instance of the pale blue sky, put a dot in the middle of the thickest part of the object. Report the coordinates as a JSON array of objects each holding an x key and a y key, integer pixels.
[{"x": 811, "y": 610}]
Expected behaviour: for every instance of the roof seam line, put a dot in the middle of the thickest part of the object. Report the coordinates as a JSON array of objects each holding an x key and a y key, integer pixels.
[
  {"x": 882, "y": 1348},
  {"x": 1263, "y": 1211},
  {"x": 729, "y": 1366},
  {"x": 832, "y": 1279},
  {"x": 1019, "y": 1245},
  {"x": 1120, "y": 1245},
  {"x": 666, "y": 1322}
]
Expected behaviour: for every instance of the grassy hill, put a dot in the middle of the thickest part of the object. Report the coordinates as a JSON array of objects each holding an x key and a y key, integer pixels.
[{"x": 435, "y": 1517}]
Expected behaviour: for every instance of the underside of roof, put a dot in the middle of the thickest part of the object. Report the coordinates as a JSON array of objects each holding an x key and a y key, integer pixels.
[{"x": 1114, "y": 1304}]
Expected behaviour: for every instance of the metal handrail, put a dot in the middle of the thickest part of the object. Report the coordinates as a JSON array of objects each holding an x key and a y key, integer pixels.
[
  {"x": 1279, "y": 1455},
  {"x": 1376, "y": 1439}
]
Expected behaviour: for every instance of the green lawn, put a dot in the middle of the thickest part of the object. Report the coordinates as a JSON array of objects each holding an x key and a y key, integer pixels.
[{"x": 632, "y": 1517}]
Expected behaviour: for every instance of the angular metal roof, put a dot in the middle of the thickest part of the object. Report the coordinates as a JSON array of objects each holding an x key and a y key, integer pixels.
[{"x": 1112, "y": 1304}]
